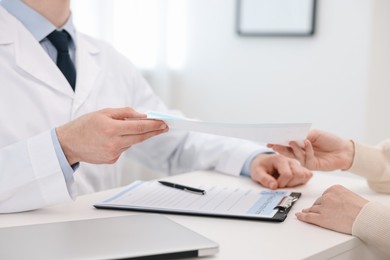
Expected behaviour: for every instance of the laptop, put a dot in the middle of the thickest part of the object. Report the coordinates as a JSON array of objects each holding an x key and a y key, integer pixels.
[{"x": 143, "y": 236}]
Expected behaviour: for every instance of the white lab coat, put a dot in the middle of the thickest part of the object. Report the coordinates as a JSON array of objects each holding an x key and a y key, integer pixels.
[{"x": 35, "y": 97}]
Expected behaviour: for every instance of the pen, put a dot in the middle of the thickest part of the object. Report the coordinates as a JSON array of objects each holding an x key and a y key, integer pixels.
[{"x": 182, "y": 187}]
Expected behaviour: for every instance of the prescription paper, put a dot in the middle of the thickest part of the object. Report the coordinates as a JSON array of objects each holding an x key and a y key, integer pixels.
[{"x": 261, "y": 133}]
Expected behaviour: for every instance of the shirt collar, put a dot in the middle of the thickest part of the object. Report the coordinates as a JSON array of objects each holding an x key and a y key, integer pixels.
[{"x": 38, "y": 25}]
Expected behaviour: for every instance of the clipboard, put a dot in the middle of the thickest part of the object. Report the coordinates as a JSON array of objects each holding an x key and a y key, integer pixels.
[{"x": 218, "y": 201}]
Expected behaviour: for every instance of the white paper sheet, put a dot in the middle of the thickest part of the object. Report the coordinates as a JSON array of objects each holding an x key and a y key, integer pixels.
[
  {"x": 218, "y": 200},
  {"x": 260, "y": 133}
]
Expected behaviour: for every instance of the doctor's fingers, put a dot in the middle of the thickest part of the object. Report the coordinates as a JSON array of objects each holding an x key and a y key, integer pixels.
[
  {"x": 136, "y": 127},
  {"x": 301, "y": 175},
  {"x": 284, "y": 172},
  {"x": 122, "y": 113},
  {"x": 261, "y": 176},
  {"x": 129, "y": 140}
]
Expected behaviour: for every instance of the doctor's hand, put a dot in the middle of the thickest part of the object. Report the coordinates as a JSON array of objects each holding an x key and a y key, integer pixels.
[
  {"x": 336, "y": 209},
  {"x": 277, "y": 171},
  {"x": 100, "y": 137},
  {"x": 322, "y": 151}
]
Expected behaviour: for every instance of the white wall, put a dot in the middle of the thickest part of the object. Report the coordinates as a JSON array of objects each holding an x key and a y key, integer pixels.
[
  {"x": 321, "y": 79},
  {"x": 337, "y": 79},
  {"x": 377, "y": 123}
]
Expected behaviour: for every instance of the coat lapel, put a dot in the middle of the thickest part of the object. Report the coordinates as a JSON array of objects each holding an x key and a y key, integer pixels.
[
  {"x": 88, "y": 69},
  {"x": 6, "y": 36},
  {"x": 30, "y": 56},
  {"x": 32, "y": 59}
]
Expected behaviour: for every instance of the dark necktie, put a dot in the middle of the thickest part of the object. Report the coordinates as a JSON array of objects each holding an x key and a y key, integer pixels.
[{"x": 60, "y": 40}]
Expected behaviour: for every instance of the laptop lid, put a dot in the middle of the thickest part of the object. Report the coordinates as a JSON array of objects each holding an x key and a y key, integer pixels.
[{"x": 143, "y": 236}]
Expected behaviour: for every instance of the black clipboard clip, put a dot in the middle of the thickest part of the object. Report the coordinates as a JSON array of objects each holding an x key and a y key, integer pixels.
[{"x": 286, "y": 203}]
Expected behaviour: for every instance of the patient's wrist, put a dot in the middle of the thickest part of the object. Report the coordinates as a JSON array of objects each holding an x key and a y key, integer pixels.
[{"x": 349, "y": 154}]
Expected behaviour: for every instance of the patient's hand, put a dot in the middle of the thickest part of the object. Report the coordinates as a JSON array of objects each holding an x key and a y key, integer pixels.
[
  {"x": 336, "y": 209},
  {"x": 322, "y": 151}
]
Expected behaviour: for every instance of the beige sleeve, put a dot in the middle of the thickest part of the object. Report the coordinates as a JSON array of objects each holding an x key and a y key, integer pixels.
[
  {"x": 373, "y": 163},
  {"x": 372, "y": 225}
]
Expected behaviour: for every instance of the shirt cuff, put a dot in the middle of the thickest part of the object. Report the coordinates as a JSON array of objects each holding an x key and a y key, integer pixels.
[
  {"x": 246, "y": 169},
  {"x": 67, "y": 170}
]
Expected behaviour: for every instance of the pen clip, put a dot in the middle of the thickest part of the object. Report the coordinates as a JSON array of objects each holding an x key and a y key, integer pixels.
[
  {"x": 285, "y": 203},
  {"x": 200, "y": 192}
]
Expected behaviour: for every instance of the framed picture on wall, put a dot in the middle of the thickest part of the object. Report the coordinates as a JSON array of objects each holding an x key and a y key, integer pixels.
[{"x": 276, "y": 17}]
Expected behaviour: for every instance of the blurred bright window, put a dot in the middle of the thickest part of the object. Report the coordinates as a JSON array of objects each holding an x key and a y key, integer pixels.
[{"x": 151, "y": 33}]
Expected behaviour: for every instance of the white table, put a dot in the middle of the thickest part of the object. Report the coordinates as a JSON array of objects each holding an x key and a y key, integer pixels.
[{"x": 238, "y": 239}]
